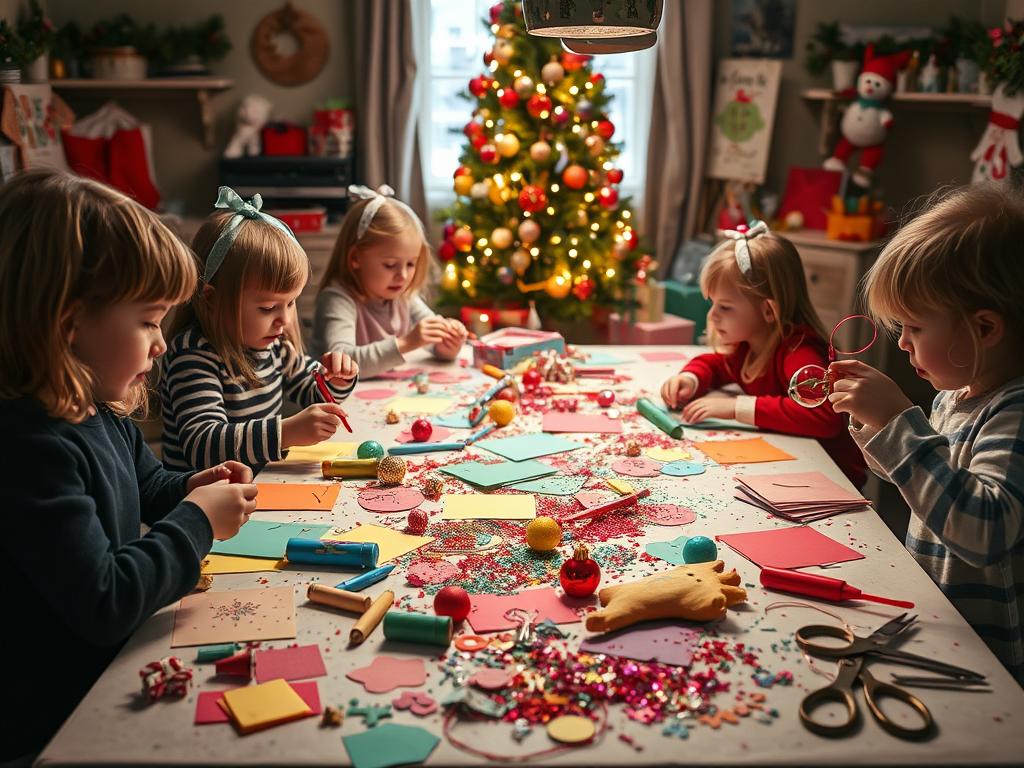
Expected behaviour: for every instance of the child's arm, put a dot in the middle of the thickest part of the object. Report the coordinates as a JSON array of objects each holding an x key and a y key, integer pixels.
[
  {"x": 711, "y": 370},
  {"x": 160, "y": 490},
  {"x": 335, "y": 329}
]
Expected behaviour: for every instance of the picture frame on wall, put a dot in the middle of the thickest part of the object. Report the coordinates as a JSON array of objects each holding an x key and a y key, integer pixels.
[
  {"x": 762, "y": 29},
  {"x": 746, "y": 93}
]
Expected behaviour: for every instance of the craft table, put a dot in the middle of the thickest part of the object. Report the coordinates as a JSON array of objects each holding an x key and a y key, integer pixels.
[{"x": 114, "y": 726}]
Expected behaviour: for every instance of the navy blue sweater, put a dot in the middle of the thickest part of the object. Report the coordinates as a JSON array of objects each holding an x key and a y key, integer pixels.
[{"x": 77, "y": 575}]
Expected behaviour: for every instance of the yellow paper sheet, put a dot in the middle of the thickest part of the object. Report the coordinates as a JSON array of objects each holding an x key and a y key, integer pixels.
[
  {"x": 752, "y": 451},
  {"x": 214, "y": 563},
  {"x": 488, "y": 506},
  {"x": 392, "y": 543},
  {"x": 260, "y": 706},
  {"x": 668, "y": 454},
  {"x": 621, "y": 487},
  {"x": 428, "y": 405},
  {"x": 322, "y": 452}
]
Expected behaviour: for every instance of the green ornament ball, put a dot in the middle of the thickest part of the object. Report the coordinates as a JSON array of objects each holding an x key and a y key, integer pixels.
[
  {"x": 371, "y": 449},
  {"x": 699, "y": 549}
]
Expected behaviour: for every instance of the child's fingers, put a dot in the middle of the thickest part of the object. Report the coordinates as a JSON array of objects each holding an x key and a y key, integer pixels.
[
  {"x": 334, "y": 411},
  {"x": 850, "y": 367}
]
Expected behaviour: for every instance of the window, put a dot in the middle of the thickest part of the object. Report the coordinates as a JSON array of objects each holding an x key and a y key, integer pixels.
[{"x": 453, "y": 53}]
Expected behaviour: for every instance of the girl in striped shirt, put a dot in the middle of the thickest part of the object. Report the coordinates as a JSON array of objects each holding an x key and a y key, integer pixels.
[{"x": 236, "y": 351}]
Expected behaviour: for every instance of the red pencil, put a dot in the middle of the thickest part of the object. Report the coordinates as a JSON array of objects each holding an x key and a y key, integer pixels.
[{"x": 325, "y": 392}]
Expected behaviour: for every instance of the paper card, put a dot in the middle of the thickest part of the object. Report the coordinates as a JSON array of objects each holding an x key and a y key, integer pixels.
[
  {"x": 798, "y": 488},
  {"x": 293, "y": 663},
  {"x": 214, "y": 564},
  {"x": 668, "y": 514},
  {"x": 529, "y": 446},
  {"x": 391, "y": 543},
  {"x": 682, "y": 468},
  {"x": 235, "y": 616},
  {"x": 558, "y": 485},
  {"x": 663, "y": 357},
  {"x": 453, "y": 420},
  {"x": 600, "y": 359},
  {"x": 483, "y": 506},
  {"x": 795, "y": 547},
  {"x": 255, "y": 707},
  {"x": 322, "y": 452},
  {"x": 487, "y": 613},
  {"x": 502, "y": 473},
  {"x": 378, "y": 393},
  {"x": 564, "y": 421},
  {"x": 665, "y": 642},
  {"x": 390, "y": 499},
  {"x": 421, "y": 404},
  {"x": 636, "y": 466},
  {"x": 296, "y": 497},
  {"x": 749, "y": 451},
  {"x": 398, "y": 374},
  {"x": 390, "y": 744},
  {"x": 264, "y": 538},
  {"x": 210, "y": 709},
  {"x": 449, "y": 377},
  {"x": 438, "y": 434},
  {"x": 668, "y": 454}
]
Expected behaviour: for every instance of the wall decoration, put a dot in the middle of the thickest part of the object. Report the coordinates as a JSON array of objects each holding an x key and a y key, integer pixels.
[
  {"x": 746, "y": 92},
  {"x": 312, "y": 46}
]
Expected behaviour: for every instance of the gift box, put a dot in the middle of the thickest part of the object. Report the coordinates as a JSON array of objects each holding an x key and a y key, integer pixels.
[
  {"x": 332, "y": 132},
  {"x": 281, "y": 139},
  {"x": 508, "y": 346},
  {"x": 669, "y": 330},
  {"x": 302, "y": 220},
  {"x": 651, "y": 297},
  {"x": 687, "y": 301}
]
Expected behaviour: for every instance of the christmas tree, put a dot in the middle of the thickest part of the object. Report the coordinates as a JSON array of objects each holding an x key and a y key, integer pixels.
[{"x": 538, "y": 214}]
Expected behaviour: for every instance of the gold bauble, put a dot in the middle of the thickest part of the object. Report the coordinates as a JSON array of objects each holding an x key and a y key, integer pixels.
[
  {"x": 432, "y": 487},
  {"x": 463, "y": 184},
  {"x": 508, "y": 146},
  {"x": 391, "y": 470},
  {"x": 520, "y": 261},
  {"x": 558, "y": 286},
  {"x": 501, "y": 237},
  {"x": 540, "y": 151}
]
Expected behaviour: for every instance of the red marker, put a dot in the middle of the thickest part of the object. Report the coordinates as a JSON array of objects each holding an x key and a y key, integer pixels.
[
  {"x": 822, "y": 587},
  {"x": 600, "y": 510},
  {"x": 325, "y": 392}
]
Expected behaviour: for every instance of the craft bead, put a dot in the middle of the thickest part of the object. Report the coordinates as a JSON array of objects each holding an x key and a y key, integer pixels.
[
  {"x": 391, "y": 418},
  {"x": 421, "y": 430},
  {"x": 432, "y": 487},
  {"x": 417, "y": 522},
  {"x": 543, "y": 534},
  {"x": 699, "y": 549},
  {"x": 391, "y": 470},
  {"x": 633, "y": 448}
]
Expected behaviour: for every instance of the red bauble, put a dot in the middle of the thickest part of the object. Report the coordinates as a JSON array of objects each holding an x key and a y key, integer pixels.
[
  {"x": 608, "y": 197},
  {"x": 605, "y": 129},
  {"x": 508, "y": 393},
  {"x": 583, "y": 290},
  {"x": 630, "y": 239},
  {"x": 579, "y": 575},
  {"x": 605, "y": 398},
  {"x": 597, "y": 77},
  {"x": 463, "y": 239},
  {"x": 477, "y": 140},
  {"x": 575, "y": 176},
  {"x": 531, "y": 379},
  {"x": 417, "y": 522},
  {"x": 508, "y": 98},
  {"x": 495, "y": 12},
  {"x": 449, "y": 229},
  {"x": 488, "y": 58},
  {"x": 478, "y": 86},
  {"x": 533, "y": 199},
  {"x": 488, "y": 154},
  {"x": 446, "y": 251},
  {"x": 537, "y": 104},
  {"x": 421, "y": 430},
  {"x": 461, "y": 171},
  {"x": 560, "y": 115},
  {"x": 614, "y": 175},
  {"x": 454, "y": 602},
  {"x": 472, "y": 128},
  {"x": 573, "y": 61}
]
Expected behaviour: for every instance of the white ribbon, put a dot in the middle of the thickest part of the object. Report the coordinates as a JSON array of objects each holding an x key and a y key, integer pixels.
[
  {"x": 377, "y": 198},
  {"x": 741, "y": 243}
]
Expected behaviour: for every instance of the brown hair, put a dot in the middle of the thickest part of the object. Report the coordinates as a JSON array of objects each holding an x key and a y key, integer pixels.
[
  {"x": 262, "y": 258},
  {"x": 776, "y": 275},
  {"x": 389, "y": 221},
  {"x": 67, "y": 241}
]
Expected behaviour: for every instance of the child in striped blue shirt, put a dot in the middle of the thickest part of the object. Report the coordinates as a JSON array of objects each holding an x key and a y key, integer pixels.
[
  {"x": 951, "y": 282},
  {"x": 236, "y": 351}
]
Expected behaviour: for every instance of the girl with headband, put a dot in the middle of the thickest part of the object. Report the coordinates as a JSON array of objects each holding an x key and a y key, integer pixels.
[{"x": 369, "y": 305}]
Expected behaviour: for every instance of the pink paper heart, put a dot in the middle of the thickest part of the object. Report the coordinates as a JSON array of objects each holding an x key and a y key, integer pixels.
[
  {"x": 492, "y": 679},
  {"x": 386, "y": 673},
  {"x": 420, "y": 704}
]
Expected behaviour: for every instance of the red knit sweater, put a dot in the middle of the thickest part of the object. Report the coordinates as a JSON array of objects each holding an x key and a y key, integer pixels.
[{"x": 774, "y": 410}]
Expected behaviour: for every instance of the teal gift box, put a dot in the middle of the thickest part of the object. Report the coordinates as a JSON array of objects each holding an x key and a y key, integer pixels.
[{"x": 687, "y": 301}]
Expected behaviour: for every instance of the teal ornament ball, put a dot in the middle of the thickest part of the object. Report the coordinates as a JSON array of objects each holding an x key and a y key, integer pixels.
[
  {"x": 699, "y": 549},
  {"x": 371, "y": 449}
]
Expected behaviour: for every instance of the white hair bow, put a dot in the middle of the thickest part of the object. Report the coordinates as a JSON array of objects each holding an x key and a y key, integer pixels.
[
  {"x": 741, "y": 238},
  {"x": 376, "y": 198}
]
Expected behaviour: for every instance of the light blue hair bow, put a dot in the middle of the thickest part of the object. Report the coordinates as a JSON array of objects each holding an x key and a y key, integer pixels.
[{"x": 231, "y": 200}]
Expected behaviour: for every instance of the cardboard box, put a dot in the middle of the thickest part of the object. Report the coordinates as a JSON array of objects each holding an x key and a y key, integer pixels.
[
  {"x": 508, "y": 346},
  {"x": 669, "y": 330}
]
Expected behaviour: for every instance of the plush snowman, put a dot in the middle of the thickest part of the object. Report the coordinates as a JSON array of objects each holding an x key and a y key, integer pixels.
[
  {"x": 866, "y": 121},
  {"x": 999, "y": 148}
]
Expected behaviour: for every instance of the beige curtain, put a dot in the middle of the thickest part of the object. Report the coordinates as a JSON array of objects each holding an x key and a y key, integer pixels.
[
  {"x": 387, "y": 148},
  {"x": 680, "y": 118}
]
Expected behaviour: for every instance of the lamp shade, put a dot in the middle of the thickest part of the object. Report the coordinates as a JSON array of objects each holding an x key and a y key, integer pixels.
[
  {"x": 586, "y": 20},
  {"x": 595, "y": 45}
]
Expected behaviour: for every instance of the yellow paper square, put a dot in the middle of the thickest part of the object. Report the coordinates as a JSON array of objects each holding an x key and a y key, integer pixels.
[
  {"x": 322, "y": 452},
  {"x": 392, "y": 543},
  {"x": 428, "y": 405},
  {"x": 488, "y": 506},
  {"x": 214, "y": 563},
  {"x": 669, "y": 454},
  {"x": 620, "y": 486},
  {"x": 260, "y": 706}
]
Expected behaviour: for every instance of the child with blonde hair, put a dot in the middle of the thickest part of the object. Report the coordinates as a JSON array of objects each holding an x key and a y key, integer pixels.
[
  {"x": 951, "y": 283},
  {"x": 368, "y": 305},
  {"x": 86, "y": 276},
  {"x": 764, "y": 329},
  {"x": 236, "y": 351}
]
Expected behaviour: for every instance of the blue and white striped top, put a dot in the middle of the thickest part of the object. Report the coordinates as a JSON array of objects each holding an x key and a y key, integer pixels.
[{"x": 209, "y": 418}]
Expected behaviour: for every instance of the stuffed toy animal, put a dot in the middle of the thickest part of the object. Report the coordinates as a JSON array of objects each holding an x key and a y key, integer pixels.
[
  {"x": 999, "y": 149},
  {"x": 253, "y": 114}
]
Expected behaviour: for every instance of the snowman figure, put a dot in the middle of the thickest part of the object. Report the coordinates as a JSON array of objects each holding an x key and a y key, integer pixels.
[
  {"x": 866, "y": 121},
  {"x": 999, "y": 148}
]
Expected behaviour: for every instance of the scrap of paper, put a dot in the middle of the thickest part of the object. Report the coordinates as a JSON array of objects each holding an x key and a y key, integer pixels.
[{"x": 235, "y": 616}]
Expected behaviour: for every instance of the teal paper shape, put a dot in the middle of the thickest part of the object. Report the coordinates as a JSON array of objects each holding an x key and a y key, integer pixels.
[
  {"x": 682, "y": 468},
  {"x": 452, "y": 421},
  {"x": 260, "y": 538},
  {"x": 523, "y": 447},
  {"x": 559, "y": 485},
  {"x": 494, "y": 475},
  {"x": 390, "y": 744},
  {"x": 600, "y": 358},
  {"x": 669, "y": 551},
  {"x": 723, "y": 424}
]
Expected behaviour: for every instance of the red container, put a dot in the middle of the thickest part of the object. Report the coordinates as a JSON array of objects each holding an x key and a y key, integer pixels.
[
  {"x": 283, "y": 139},
  {"x": 302, "y": 220}
]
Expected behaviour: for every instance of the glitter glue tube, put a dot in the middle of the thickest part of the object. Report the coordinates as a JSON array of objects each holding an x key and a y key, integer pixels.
[
  {"x": 343, "y": 554},
  {"x": 338, "y": 598},
  {"x": 481, "y": 433},
  {"x": 659, "y": 418},
  {"x": 209, "y": 653},
  {"x": 487, "y": 396},
  {"x": 408, "y": 448},
  {"x": 418, "y": 628},
  {"x": 349, "y": 468},
  {"x": 368, "y": 621}
]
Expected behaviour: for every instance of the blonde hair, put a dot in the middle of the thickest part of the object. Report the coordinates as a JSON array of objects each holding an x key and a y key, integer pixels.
[
  {"x": 389, "y": 221},
  {"x": 68, "y": 242},
  {"x": 961, "y": 255},
  {"x": 261, "y": 258},
  {"x": 776, "y": 275}
]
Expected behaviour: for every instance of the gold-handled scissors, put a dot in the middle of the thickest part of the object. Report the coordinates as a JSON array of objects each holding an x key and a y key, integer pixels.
[{"x": 852, "y": 658}]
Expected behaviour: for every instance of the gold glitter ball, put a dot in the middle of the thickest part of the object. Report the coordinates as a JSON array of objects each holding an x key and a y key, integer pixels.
[
  {"x": 391, "y": 470},
  {"x": 632, "y": 448},
  {"x": 432, "y": 487},
  {"x": 391, "y": 418},
  {"x": 332, "y": 717}
]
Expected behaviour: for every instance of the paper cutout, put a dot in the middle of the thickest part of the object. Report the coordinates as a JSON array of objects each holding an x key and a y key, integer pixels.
[
  {"x": 528, "y": 446},
  {"x": 669, "y": 551},
  {"x": 424, "y": 572},
  {"x": 399, "y": 498},
  {"x": 437, "y": 435},
  {"x": 255, "y": 707},
  {"x": 371, "y": 713},
  {"x": 668, "y": 454},
  {"x": 589, "y": 499},
  {"x": 502, "y": 473},
  {"x": 491, "y": 679},
  {"x": 794, "y": 547},
  {"x": 662, "y": 357},
  {"x": 448, "y": 377},
  {"x": 558, "y": 485},
  {"x": 565, "y": 421},
  {"x": 421, "y": 404},
  {"x": 214, "y": 564},
  {"x": 798, "y": 496},
  {"x": 235, "y": 616},
  {"x": 595, "y": 359},
  {"x": 638, "y": 466},
  {"x": 749, "y": 451},
  {"x": 662, "y": 641},
  {"x": 487, "y": 613},
  {"x": 289, "y": 663},
  {"x": 263, "y": 538},
  {"x": 620, "y": 486},
  {"x": 296, "y": 497},
  {"x": 481, "y": 506},
  {"x": 453, "y": 420},
  {"x": 385, "y": 673},
  {"x": 418, "y": 703},
  {"x": 390, "y": 542},
  {"x": 389, "y": 745},
  {"x": 723, "y": 424},
  {"x": 668, "y": 514},
  {"x": 381, "y": 393},
  {"x": 322, "y": 452},
  {"x": 399, "y": 374},
  {"x": 209, "y": 708},
  {"x": 683, "y": 469}
]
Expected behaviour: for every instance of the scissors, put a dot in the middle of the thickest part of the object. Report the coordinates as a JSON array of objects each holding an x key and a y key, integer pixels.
[{"x": 852, "y": 658}]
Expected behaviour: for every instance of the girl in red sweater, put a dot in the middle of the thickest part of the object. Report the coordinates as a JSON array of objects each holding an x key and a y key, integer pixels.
[{"x": 763, "y": 329}]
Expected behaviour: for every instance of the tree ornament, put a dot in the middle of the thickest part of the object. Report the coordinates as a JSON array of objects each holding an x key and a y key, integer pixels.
[
  {"x": 503, "y": 51},
  {"x": 495, "y": 12},
  {"x": 608, "y": 197},
  {"x": 449, "y": 227},
  {"x": 614, "y": 175},
  {"x": 508, "y": 393},
  {"x": 538, "y": 105},
  {"x": 446, "y": 251},
  {"x": 529, "y": 231},
  {"x": 606, "y": 398},
  {"x": 416, "y": 522},
  {"x": 472, "y": 128},
  {"x": 463, "y": 185},
  {"x": 478, "y": 85},
  {"x": 594, "y": 145},
  {"x": 508, "y": 145},
  {"x": 488, "y": 58},
  {"x": 432, "y": 487},
  {"x": 558, "y": 286},
  {"x": 531, "y": 379},
  {"x": 584, "y": 109},
  {"x": 478, "y": 140},
  {"x": 421, "y": 430},
  {"x": 453, "y": 601},
  {"x": 596, "y": 78},
  {"x": 584, "y": 289},
  {"x": 523, "y": 86},
  {"x": 540, "y": 151},
  {"x": 573, "y": 61},
  {"x": 501, "y": 237},
  {"x": 506, "y": 31},
  {"x": 552, "y": 73},
  {"x": 508, "y": 98},
  {"x": 533, "y": 199},
  {"x": 575, "y": 176},
  {"x": 605, "y": 129},
  {"x": 630, "y": 239},
  {"x": 580, "y": 575},
  {"x": 501, "y": 411},
  {"x": 370, "y": 449},
  {"x": 505, "y": 275},
  {"x": 560, "y": 115},
  {"x": 391, "y": 470},
  {"x": 543, "y": 534},
  {"x": 699, "y": 549},
  {"x": 488, "y": 154},
  {"x": 520, "y": 261},
  {"x": 463, "y": 239},
  {"x": 479, "y": 190}
]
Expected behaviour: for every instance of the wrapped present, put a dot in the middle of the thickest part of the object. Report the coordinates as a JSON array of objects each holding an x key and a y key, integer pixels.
[
  {"x": 669, "y": 330},
  {"x": 688, "y": 302},
  {"x": 651, "y": 297},
  {"x": 483, "y": 320},
  {"x": 504, "y": 348}
]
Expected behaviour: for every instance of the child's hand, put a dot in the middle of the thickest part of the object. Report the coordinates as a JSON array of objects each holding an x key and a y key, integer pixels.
[
  {"x": 868, "y": 395},
  {"x": 311, "y": 425},
  {"x": 677, "y": 390},
  {"x": 232, "y": 471},
  {"x": 226, "y": 505},
  {"x": 429, "y": 330},
  {"x": 340, "y": 367},
  {"x": 451, "y": 345},
  {"x": 709, "y": 408}
]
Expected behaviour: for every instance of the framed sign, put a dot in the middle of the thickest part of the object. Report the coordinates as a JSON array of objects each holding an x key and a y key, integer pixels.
[
  {"x": 746, "y": 92},
  {"x": 33, "y": 117}
]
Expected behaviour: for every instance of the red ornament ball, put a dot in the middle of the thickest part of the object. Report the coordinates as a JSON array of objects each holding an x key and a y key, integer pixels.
[
  {"x": 605, "y": 398},
  {"x": 560, "y": 115},
  {"x": 533, "y": 199},
  {"x": 446, "y": 251},
  {"x": 608, "y": 197},
  {"x": 583, "y": 290},
  {"x": 417, "y": 522},
  {"x": 508, "y": 393},
  {"x": 508, "y": 98},
  {"x": 580, "y": 575},
  {"x": 478, "y": 86},
  {"x": 488, "y": 154},
  {"x": 537, "y": 104},
  {"x": 495, "y": 12},
  {"x": 477, "y": 140},
  {"x": 472, "y": 128},
  {"x": 454, "y": 602},
  {"x": 421, "y": 430},
  {"x": 573, "y": 61},
  {"x": 463, "y": 239},
  {"x": 575, "y": 176},
  {"x": 614, "y": 175},
  {"x": 605, "y": 129},
  {"x": 630, "y": 239},
  {"x": 531, "y": 379},
  {"x": 597, "y": 77}
]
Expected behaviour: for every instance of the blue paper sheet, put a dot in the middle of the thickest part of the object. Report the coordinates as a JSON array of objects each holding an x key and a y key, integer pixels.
[
  {"x": 494, "y": 475},
  {"x": 523, "y": 447}
]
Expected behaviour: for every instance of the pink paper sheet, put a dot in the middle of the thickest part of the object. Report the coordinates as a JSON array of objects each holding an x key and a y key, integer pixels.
[
  {"x": 558, "y": 421},
  {"x": 400, "y": 498},
  {"x": 376, "y": 394},
  {"x": 289, "y": 663},
  {"x": 796, "y": 547},
  {"x": 663, "y": 641},
  {"x": 399, "y": 374},
  {"x": 487, "y": 613},
  {"x": 662, "y": 357},
  {"x": 798, "y": 489},
  {"x": 385, "y": 673},
  {"x": 208, "y": 711}
]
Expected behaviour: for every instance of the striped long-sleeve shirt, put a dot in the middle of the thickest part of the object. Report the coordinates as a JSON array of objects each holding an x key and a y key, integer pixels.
[
  {"x": 210, "y": 418},
  {"x": 963, "y": 476}
]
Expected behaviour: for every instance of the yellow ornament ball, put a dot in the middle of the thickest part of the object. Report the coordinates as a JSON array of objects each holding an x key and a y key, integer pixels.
[
  {"x": 502, "y": 412},
  {"x": 543, "y": 534},
  {"x": 501, "y": 237},
  {"x": 463, "y": 184},
  {"x": 494, "y": 193},
  {"x": 508, "y": 145},
  {"x": 558, "y": 286}
]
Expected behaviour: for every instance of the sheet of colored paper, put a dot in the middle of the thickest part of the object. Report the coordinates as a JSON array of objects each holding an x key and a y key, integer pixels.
[
  {"x": 420, "y": 404},
  {"x": 322, "y": 452},
  {"x": 662, "y": 357},
  {"x": 798, "y": 488},
  {"x": 265, "y": 538},
  {"x": 530, "y": 446},
  {"x": 714, "y": 424},
  {"x": 557, "y": 485},
  {"x": 662, "y": 641},
  {"x": 669, "y": 551},
  {"x": 502, "y": 473},
  {"x": 668, "y": 454},
  {"x": 293, "y": 663},
  {"x": 297, "y": 497},
  {"x": 398, "y": 374},
  {"x": 564, "y": 421},
  {"x": 210, "y": 704},
  {"x": 255, "y": 707},
  {"x": 214, "y": 564},
  {"x": 487, "y": 613},
  {"x": 390, "y": 542},
  {"x": 595, "y": 359},
  {"x": 484, "y": 506},
  {"x": 796, "y": 547},
  {"x": 390, "y": 744},
  {"x": 751, "y": 451},
  {"x": 452, "y": 420},
  {"x": 235, "y": 616}
]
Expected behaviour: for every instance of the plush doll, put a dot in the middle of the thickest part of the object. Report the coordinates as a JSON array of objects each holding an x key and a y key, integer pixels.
[
  {"x": 698, "y": 592},
  {"x": 866, "y": 121},
  {"x": 253, "y": 114},
  {"x": 999, "y": 148}
]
